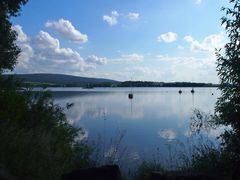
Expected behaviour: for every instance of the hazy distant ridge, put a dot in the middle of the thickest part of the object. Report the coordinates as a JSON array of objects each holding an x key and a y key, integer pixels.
[
  {"x": 76, "y": 81},
  {"x": 61, "y": 79}
]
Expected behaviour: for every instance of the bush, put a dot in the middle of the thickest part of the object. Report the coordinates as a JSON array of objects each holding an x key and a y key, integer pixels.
[
  {"x": 36, "y": 140},
  {"x": 145, "y": 169}
]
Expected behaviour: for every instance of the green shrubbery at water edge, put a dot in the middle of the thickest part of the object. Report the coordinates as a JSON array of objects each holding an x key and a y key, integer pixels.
[{"x": 36, "y": 140}]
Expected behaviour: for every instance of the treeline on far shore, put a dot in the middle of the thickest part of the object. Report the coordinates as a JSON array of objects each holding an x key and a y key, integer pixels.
[
  {"x": 164, "y": 84},
  {"x": 120, "y": 84}
]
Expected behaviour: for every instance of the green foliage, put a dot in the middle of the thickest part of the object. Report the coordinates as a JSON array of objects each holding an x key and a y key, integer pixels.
[
  {"x": 8, "y": 49},
  {"x": 214, "y": 162},
  {"x": 206, "y": 159},
  {"x": 224, "y": 162},
  {"x": 36, "y": 140},
  {"x": 11, "y": 7},
  {"x": 228, "y": 68},
  {"x": 146, "y": 168}
]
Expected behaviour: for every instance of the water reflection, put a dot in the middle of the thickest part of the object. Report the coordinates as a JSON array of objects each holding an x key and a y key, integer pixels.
[
  {"x": 153, "y": 117},
  {"x": 167, "y": 134}
]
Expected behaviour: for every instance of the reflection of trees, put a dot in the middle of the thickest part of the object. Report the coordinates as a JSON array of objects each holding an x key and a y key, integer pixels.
[
  {"x": 112, "y": 151},
  {"x": 201, "y": 121}
]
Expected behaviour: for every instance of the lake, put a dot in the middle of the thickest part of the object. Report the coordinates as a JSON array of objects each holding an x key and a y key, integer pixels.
[{"x": 136, "y": 128}]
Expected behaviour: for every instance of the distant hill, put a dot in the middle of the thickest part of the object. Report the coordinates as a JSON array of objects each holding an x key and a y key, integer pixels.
[{"x": 62, "y": 80}]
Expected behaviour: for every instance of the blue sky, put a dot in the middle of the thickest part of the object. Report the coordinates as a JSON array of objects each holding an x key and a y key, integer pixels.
[{"x": 155, "y": 40}]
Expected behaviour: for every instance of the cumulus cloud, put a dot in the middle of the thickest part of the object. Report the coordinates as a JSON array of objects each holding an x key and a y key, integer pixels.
[
  {"x": 189, "y": 68},
  {"x": 49, "y": 52},
  {"x": 44, "y": 53},
  {"x": 208, "y": 44},
  {"x": 177, "y": 59},
  {"x": 133, "y": 57},
  {"x": 137, "y": 72},
  {"x": 143, "y": 73},
  {"x": 180, "y": 47},
  {"x": 46, "y": 41},
  {"x": 198, "y": 1},
  {"x": 22, "y": 37},
  {"x": 167, "y": 37},
  {"x": 133, "y": 16},
  {"x": 67, "y": 30},
  {"x": 167, "y": 134},
  {"x": 23, "y": 41},
  {"x": 125, "y": 58},
  {"x": 92, "y": 59},
  {"x": 112, "y": 19}
]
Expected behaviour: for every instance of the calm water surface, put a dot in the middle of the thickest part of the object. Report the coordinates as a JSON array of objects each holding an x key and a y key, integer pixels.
[{"x": 152, "y": 119}]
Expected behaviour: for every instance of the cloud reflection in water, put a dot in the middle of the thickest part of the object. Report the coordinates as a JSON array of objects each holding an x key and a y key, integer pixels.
[{"x": 167, "y": 134}]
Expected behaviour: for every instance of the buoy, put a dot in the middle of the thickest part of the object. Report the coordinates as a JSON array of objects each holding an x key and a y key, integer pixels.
[
  {"x": 180, "y": 91},
  {"x": 130, "y": 96},
  {"x": 192, "y": 91}
]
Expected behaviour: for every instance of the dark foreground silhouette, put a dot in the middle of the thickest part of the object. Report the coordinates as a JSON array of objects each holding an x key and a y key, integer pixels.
[
  {"x": 173, "y": 176},
  {"x": 100, "y": 173},
  {"x": 113, "y": 173}
]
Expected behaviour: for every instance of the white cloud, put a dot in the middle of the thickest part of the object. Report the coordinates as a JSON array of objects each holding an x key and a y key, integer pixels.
[
  {"x": 92, "y": 59},
  {"x": 208, "y": 44},
  {"x": 189, "y": 68},
  {"x": 188, "y": 39},
  {"x": 133, "y": 16},
  {"x": 112, "y": 19},
  {"x": 43, "y": 53},
  {"x": 22, "y": 37},
  {"x": 198, "y": 1},
  {"x": 176, "y": 59},
  {"x": 67, "y": 30},
  {"x": 46, "y": 41},
  {"x": 141, "y": 73},
  {"x": 23, "y": 42},
  {"x": 49, "y": 52},
  {"x": 180, "y": 47},
  {"x": 167, "y": 134},
  {"x": 128, "y": 58},
  {"x": 133, "y": 57},
  {"x": 167, "y": 37}
]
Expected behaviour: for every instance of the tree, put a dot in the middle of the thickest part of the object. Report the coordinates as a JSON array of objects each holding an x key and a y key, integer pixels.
[
  {"x": 228, "y": 68},
  {"x": 8, "y": 49},
  {"x": 36, "y": 140}
]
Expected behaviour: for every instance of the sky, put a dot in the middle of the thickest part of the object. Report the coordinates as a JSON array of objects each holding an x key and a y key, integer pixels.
[{"x": 147, "y": 40}]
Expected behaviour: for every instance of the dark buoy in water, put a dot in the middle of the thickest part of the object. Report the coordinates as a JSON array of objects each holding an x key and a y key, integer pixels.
[
  {"x": 212, "y": 94},
  {"x": 192, "y": 91},
  {"x": 180, "y": 91},
  {"x": 130, "y": 96}
]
